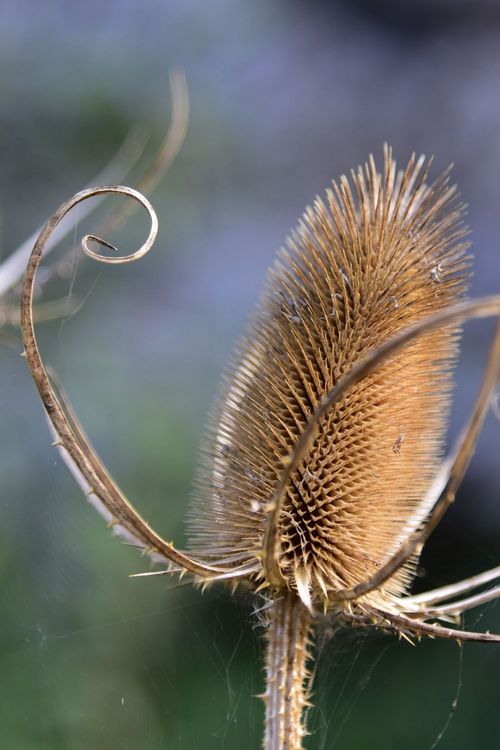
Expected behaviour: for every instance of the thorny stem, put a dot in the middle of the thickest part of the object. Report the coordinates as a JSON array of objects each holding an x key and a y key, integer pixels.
[{"x": 288, "y": 644}]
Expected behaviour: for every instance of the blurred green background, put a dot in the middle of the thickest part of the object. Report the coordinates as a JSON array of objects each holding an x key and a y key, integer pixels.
[{"x": 285, "y": 96}]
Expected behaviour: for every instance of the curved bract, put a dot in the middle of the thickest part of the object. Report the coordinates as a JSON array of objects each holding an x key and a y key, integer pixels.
[{"x": 70, "y": 437}]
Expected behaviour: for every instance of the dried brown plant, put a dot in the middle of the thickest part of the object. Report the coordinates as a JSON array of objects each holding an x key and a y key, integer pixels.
[{"x": 322, "y": 474}]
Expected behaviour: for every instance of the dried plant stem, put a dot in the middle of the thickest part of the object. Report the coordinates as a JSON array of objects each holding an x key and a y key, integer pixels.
[{"x": 288, "y": 638}]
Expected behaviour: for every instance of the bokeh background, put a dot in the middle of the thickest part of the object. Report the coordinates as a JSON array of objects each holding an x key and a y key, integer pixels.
[{"x": 285, "y": 95}]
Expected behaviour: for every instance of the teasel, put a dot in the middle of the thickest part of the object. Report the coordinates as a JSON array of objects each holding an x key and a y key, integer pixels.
[{"x": 322, "y": 471}]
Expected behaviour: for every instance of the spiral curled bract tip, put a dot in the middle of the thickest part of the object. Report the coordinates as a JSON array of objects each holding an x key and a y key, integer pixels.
[
  {"x": 145, "y": 247},
  {"x": 78, "y": 452}
]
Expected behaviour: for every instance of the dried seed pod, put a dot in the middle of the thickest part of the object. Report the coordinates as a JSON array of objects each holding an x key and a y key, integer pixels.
[{"x": 371, "y": 259}]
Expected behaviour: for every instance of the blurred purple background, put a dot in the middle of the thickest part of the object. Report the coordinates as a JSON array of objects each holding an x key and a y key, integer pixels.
[{"x": 285, "y": 96}]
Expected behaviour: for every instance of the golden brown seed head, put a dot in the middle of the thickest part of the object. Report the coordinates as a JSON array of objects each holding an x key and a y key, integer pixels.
[{"x": 374, "y": 257}]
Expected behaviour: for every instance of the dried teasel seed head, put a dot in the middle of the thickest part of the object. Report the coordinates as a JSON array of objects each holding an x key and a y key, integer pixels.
[{"x": 376, "y": 255}]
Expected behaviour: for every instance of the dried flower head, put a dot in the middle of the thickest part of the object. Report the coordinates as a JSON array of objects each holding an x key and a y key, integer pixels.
[
  {"x": 352, "y": 276},
  {"x": 322, "y": 473}
]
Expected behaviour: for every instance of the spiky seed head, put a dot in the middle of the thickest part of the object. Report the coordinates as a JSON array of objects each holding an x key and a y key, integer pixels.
[{"x": 377, "y": 254}]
